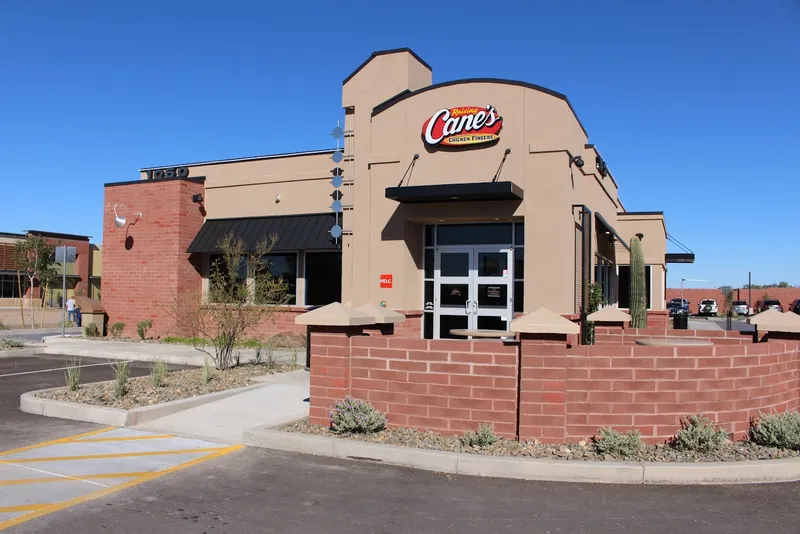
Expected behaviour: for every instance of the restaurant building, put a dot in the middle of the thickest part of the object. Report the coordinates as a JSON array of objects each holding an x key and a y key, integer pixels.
[{"x": 459, "y": 203}]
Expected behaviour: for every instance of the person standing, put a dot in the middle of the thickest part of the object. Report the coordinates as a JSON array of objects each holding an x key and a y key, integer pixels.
[{"x": 70, "y": 308}]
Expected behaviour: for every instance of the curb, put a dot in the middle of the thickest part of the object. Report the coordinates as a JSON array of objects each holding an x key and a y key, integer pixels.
[
  {"x": 106, "y": 415},
  {"x": 161, "y": 352},
  {"x": 786, "y": 470},
  {"x": 28, "y": 351}
]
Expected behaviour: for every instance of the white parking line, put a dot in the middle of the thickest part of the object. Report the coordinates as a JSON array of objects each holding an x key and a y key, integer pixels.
[
  {"x": 58, "y": 369},
  {"x": 53, "y": 474}
]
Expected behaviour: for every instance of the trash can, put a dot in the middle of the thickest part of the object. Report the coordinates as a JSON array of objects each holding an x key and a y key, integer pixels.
[{"x": 681, "y": 320}]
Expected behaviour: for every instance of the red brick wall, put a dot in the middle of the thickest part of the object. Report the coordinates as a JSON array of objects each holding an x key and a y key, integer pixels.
[
  {"x": 281, "y": 323},
  {"x": 566, "y": 394},
  {"x": 609, "y": 335},
  {"x": 650, "y": 388},
  {"x": 444, "y": 385},
  {"x": 412, "y": 326},
  {"x": 142, "y": 277},
  {"x": 785, "y": 294}
]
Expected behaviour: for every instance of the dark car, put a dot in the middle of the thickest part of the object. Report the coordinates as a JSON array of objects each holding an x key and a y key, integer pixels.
[
  {"x": 677, "y": 304},
  {"x": 795, "y": 306},
  {"x": 772, "y": 304}
]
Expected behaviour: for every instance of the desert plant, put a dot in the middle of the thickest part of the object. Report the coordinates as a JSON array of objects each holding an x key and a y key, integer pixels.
[
  {"x": 9, "y": 343},
  {"x": 142, "y": 327},
  {"x": 73, "y": 374},
  {"x": 116, "y": 329},
  {"x": 595, "y": 300},
  {"x": 206, "y": 372},
  {"x": 780, "y": 430},
  {"x": 242, "y": 294},
  {"x": 158, "y": 373},
  {"x": 698, "y": 434},
  {"x": 638, "y": 310},
  {"x": 122, "y": 373},
  {"x": 354, "y": 416},
  {"x": 2, "y": 326},
  {"x": 91, "y": 330},
  {"x": 65, "y": 324},
  {"x": 615, "y": 443},
  {"x": 484, "y": 437}
]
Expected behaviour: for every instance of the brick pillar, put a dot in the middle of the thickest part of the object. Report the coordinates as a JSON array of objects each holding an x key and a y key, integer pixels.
[
  {"x": 330, "y": 369},
  {"x": 542, "y": 411}
]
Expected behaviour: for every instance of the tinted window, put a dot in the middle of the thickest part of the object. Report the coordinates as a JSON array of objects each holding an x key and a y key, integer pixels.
[{"x": 323, "y": 278}]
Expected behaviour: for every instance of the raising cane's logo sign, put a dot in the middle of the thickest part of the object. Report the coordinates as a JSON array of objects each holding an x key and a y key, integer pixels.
[{"x": 462, "y": 126}]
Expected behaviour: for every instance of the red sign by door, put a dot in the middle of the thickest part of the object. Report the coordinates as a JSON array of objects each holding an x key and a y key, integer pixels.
[{"x": 386, "y": 281}]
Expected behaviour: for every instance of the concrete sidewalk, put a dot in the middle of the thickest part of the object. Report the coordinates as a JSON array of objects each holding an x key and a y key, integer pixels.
[
  {"x": 35, "y": 335},
  {"x": 148, "y": 352},
  {"x": 283, "y": 399}
]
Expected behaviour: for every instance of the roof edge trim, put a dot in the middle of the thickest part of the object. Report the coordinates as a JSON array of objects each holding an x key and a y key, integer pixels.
[{"x": 385, "y": 53}]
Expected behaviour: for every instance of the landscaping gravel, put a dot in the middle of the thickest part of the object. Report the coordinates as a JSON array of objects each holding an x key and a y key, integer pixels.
[
  {"x": 582, "y": 451},
  {"x": 177, "y": 385}
]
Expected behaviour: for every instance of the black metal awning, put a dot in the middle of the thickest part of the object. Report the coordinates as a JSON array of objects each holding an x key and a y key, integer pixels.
[
  {"x": 602, "y": 222},
  {"x": 294, "y": 232},
  {"x": 417, "y": 194},
  {"x": 679, "y": 257}
]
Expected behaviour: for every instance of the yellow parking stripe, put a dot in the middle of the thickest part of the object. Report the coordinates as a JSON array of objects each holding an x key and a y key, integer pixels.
[
  {"x": 113, "y": 489},
  {"x": 56, "y": 441},
  {"x": 23, "y": 508},
  {"x": 106, "y": 456},
  {"x": 129, "y": 438},
  {"x": 45, "y": 480}
]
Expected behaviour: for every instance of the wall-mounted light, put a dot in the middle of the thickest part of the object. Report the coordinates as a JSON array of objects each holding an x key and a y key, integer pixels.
[
  {"x": 119, "y": 220},
  {"x": 277, "y": 198},
  {"x": 197, "y": 198},
  {"x": 577, "y": 160}
]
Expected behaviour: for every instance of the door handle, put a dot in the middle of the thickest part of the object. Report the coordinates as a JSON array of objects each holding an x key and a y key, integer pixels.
[
  {"x": 468, "y": 307},
  {"x": 475, "y": 307}
]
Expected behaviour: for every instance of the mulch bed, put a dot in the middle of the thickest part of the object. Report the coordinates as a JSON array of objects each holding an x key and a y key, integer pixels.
[
  {"x": 177, "y": 385},
  {"x": 583, "y": 451}
]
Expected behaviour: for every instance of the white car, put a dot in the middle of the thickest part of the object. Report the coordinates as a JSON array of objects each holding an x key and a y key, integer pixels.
[
  {"x": 740, "y": 307},
  {"x": 707, "y": 307}
]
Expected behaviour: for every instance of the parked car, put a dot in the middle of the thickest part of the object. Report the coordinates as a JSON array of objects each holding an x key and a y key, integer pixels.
[
  {"x": 772, "y": 304},
  {"x": 677, "y": 304},
  {"x": 795, "y": 306},
  {"x": 740, "y": 307},
  {"x": 707, "y": 307}
]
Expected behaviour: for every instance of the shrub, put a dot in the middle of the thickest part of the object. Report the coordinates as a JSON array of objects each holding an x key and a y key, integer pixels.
[
  {"x": 354, "y": 416},
  {"x": 91, "y": 330},
  {"x": 65, "y": 324},
  {"x": 122, "y": 372},
  {"x": 484, "y": 437},
  {"x": 780, "y": 430},
  {"x": 177, "y": 340},
  {"x": 2, "y": 326},
  {"x": 698, "y": 434},
  {"x": 116, "y": 329},
  {"x": 617, "y": 444},
  {"x": 158, "y": 373},
  {"x": 9, "y": 343},
  {"x": 142, "y": 327},
  {"x": 73, "y": 374}
]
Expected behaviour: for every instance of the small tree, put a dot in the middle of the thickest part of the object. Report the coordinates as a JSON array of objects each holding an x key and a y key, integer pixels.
[
  {"x": 242, "y": 294},
  {"x": 36, "y": 259}
]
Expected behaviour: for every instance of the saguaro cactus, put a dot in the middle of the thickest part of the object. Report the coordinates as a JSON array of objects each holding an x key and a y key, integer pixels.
[{"x": 638, "y": 302}]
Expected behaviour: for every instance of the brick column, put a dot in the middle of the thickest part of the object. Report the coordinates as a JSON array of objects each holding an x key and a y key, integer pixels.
[
  {"x": 542, "y": 410},
  {"x": 330, "y": 369}
]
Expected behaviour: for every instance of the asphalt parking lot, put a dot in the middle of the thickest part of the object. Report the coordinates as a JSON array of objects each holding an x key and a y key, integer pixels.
[{"x": 254, "y": 490}]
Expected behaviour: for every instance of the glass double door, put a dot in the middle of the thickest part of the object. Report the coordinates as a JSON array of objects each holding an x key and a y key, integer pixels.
[{"x": 473, "y": 289}]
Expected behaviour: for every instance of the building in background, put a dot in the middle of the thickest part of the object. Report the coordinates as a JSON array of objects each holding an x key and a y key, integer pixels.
[{"x": 82, "y": 277}]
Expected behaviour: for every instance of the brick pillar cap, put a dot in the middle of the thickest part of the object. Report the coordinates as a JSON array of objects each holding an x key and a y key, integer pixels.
[
  {"x": 382, "y": 315},
  {"x": 774, "y": 321},
  {"x": 334, "y": 314},
  {"x": 611, "y": 314},
  {"x": 543, "y": 321}
]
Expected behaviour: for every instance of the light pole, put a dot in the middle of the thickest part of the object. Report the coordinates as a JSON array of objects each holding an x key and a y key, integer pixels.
[{"x": 749, "y": 292}]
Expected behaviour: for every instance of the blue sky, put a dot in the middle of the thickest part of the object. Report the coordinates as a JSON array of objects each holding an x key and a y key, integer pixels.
[{"x": 693, "y": 104}]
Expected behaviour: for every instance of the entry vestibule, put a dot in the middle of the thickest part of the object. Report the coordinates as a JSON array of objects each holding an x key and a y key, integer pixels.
[{"x": 473, "y": 276}]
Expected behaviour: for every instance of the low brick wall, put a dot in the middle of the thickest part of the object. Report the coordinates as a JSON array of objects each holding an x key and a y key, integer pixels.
[
  {"x": 565, "y": 394},
  {"x": 609, "y": 335}
]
